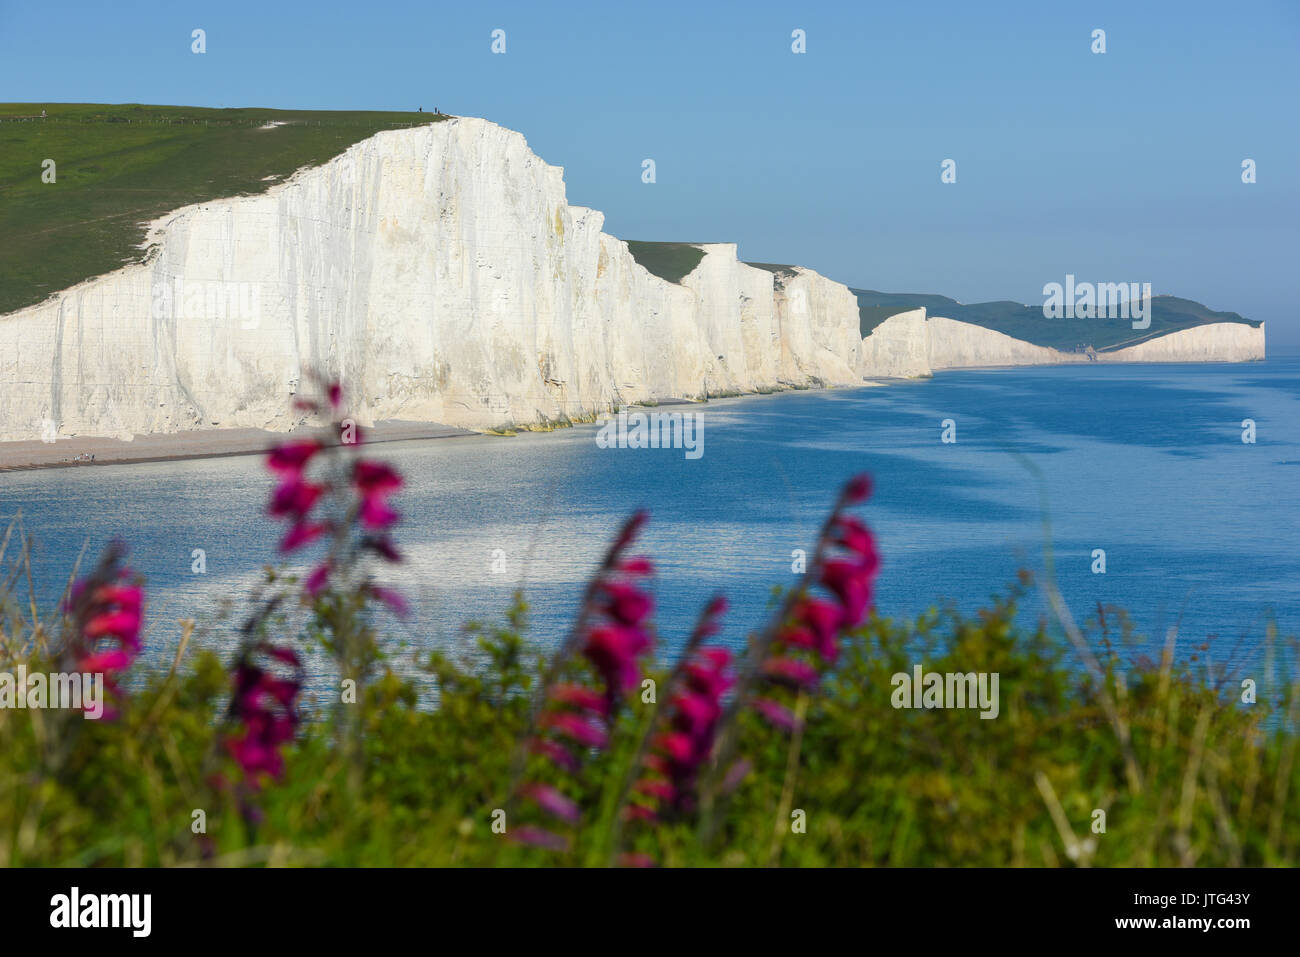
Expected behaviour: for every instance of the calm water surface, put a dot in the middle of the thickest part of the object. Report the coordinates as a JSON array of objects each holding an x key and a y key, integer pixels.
[{"x": 1200, "y": 530}]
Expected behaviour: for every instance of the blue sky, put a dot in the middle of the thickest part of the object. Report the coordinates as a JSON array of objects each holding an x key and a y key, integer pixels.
[{"x": 1123, "y": 166}]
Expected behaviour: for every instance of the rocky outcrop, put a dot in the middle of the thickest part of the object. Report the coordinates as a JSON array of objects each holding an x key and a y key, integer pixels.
[
  {"x": 441, "y": 273},
  {"x": 899, "y": 347}
]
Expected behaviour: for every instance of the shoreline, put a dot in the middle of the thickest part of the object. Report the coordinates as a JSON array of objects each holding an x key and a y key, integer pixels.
[{"x": 32, "y": 455}]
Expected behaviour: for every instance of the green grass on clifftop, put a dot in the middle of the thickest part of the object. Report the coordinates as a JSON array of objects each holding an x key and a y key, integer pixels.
[
  {"x": 777, "y": 268},
  {"x": 670, "y": 261},
  {"x": 1168, "y": 314},
  {"x": 118, "y": 167}
]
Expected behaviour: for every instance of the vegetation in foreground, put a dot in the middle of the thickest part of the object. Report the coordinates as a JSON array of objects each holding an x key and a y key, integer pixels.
[
  {"x": 791, "y": 754},
  {"x": 118, "y": 168}
]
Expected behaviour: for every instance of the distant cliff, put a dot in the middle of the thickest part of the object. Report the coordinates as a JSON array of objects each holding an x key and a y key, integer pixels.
[
  {"x": 912, "y": 344},
  {"x": 1159, "y": 315}
]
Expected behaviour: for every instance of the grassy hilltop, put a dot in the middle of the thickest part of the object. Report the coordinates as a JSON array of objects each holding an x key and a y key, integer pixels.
[
  {"x": 670, "y": 261},
  {"x": 118, "y": 167}
]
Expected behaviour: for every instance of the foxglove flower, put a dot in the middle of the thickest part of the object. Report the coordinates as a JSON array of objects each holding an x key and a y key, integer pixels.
[
  {"x": 844, "y": 569},
  {"x": 692, "y": 715},
  {"x": 612, "y": 636},
  {"x": 107, "y": 613},
  {"x": 290, "y": 458},
  {"x": 264, "y": 711},
  {"x": 300, "y": 501}
]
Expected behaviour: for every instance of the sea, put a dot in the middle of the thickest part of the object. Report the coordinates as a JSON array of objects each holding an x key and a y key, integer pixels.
[{"x": 1169, "y": 491}]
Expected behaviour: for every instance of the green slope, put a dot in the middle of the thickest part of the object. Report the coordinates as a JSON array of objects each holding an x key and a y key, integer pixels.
[
  {"x": 777, "y": 268},
  {"x": 1168, "y": 314},
  {"x": 117, "y": 167},
  {"x": 670, "y": 261}
]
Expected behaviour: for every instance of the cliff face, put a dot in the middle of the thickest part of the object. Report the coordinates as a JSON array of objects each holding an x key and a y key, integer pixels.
[
  {"x": 910, "y": 344},
  {"x": 1213, "y": 342},
  {"x": 440, "y": 272},
  {"x": 898, "y": 347},
  {"x": 771, "y": 329}
]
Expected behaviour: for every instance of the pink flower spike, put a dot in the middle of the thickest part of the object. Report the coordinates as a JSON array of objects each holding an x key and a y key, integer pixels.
[
  {"x": 626, "y": 603},
  {"x": 303, "y": 533},
  {"x": 848, "y": 580},
  {"x": 375, "y": 513},
  {"x": 118, "y": 624},
  {"x": 294, "y": 497},
  {"x": 735, "y": 774},
  {"x": 631, "y": 529},
  {"x": 292, "y": 457},
  {"x": 797, "y": 636},
  {"x": 823, "y": 619},
  {"x": 636, "y": 859},
  {"x": 105, "y": 661},
  {"x": 375, "y": 478},
  {"x": 538, "y": 837},
  {"x": 558, "y": 753},
  {"x": 775, "y": 713},
  {"x": 393, "y": 600},
  {"x": 125, "y": 597},
  {"x": 677, "y": 746},
  {"x": 695, "y": 713},
  {"x": 854, "y": 535},
  {"x": 286, "y": 655},
  {"x": 716, "y": 658},
  {"x": 552, "y": 802},
  {"x": 858, "y": 489},
  {"x": 317, "y": 580},
  {"x": 655, "y": 789},
  {"x": 636, "y": 567},
  {"x": 577, "y": 729},
  {"x": 788, "y": 670},
  {"x": 707, "y": 679},
  {"x": 382, "y": 546},
  {"x": 614, "y": 649},
  {"x": 335, "y": 393},
  {"x": 579, "y": 697},
  {"x": 718, "y": 605}
]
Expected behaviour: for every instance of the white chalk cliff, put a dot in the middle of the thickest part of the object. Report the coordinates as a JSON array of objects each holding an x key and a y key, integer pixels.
[
  {"x": 441, "y": 274},
  {"x": 911, "y": 344}
]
